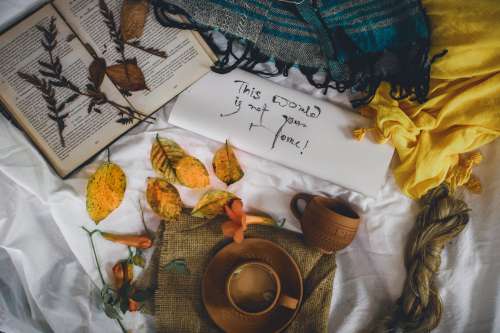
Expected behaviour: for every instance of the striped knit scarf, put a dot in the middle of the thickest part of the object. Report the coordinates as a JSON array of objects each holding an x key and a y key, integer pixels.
[{"x": 340, "y": 44}]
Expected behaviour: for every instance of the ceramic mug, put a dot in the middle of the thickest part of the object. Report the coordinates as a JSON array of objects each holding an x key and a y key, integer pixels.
[
  {"x": 254, "y": 288},
  {"x": 328, "y": 224}
]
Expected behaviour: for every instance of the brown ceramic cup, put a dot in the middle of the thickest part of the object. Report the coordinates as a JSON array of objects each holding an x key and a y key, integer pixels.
[
  {"x": 254, "y": 288},
  {"x": 328, "y": 224}
]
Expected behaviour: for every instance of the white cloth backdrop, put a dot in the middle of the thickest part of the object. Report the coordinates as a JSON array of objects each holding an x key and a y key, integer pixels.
[{"x": 48, "y": 280}]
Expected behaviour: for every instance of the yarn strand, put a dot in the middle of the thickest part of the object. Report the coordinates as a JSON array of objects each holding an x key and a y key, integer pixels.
[{"x": 419, "y": 309}]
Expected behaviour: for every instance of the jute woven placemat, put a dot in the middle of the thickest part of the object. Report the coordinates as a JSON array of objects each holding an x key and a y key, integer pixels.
[{"x": 177, "y": 304}]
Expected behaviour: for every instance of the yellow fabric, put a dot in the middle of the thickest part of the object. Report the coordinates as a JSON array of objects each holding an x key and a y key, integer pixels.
[{"x": 463, "y": 108}]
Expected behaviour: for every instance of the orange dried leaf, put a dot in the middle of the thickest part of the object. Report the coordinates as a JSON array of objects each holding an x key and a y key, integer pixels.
[
  {"x": 191, "y": 172},
  {"x": 226, "y": 165},
  {"x": 212, "y": 203},
  {"x": 163, "y": 198},
  {"x": 105, "y": 191},
  {"x": 127, "y": 76},
  {"x": 133, "y": 18},
  {"x": 165, "y": 153}
]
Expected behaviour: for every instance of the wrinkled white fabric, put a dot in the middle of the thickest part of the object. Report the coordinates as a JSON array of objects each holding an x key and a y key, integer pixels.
[{"x": 45, "y": 258}]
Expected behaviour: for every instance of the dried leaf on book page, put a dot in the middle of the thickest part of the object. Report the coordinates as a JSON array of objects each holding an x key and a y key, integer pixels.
[
  {"x": 127, "y": 76},
  {"x": 133, "y": 18}
]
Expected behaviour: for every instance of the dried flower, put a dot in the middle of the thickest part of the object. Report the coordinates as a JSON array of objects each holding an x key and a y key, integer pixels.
[
  {"x": 239, "y": 221},
  {"x": 133, "y": 305}
]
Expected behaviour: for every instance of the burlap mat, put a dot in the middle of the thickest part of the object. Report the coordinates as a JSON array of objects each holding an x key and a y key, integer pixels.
[{"x": 177, "y": 304}]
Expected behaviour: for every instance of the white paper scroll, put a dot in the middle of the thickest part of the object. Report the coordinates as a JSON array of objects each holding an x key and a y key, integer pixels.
[{"x": 285, "y": 126}]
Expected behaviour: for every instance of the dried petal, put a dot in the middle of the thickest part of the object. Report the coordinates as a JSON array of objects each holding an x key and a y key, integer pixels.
[
  {"x": 127, "y": 76},
  {"x": 226, "y": 165},
  {"x": 164, "y": 154},
  {"x": 212, "y": 203},
  {"x": 133, "y": 18},
  {"x": 137, "y": 241},
  {"x": 163, "y": 198},
  {"x": 105, "y": 191},
  {"x": 191, "y": 172}
]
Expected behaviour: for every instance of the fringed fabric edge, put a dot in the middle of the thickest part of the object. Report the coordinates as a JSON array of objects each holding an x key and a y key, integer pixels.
[{"x": 407, "y": 70}]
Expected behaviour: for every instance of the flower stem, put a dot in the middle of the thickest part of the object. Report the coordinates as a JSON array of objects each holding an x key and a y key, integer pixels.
[{"x": 91, "y": 233}]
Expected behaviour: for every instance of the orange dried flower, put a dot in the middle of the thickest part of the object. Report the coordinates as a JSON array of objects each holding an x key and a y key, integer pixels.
[
  {"x": 239, "y": 221},
  {"x": 122, "y": 271},
  {"x": 237, "y": 225},
  {"x": 137, "y": 241},
  {"x": 133, "y": 305}
]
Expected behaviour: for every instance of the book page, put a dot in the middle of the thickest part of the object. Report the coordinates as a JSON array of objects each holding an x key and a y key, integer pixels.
[
  {"x": 285, "y": 126},
  {"x": 56, "y": 117},
  {"x": 187, "y": 58}
]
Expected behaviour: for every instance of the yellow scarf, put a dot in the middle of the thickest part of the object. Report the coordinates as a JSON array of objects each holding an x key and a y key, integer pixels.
[{"x": 434, "y": 140}]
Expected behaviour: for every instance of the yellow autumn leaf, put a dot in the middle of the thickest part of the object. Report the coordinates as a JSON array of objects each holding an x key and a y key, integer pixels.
[
  {"x": 163, "y": 198},
  {"x": 105, "y": 190},
  {"x": 212, "y": 203},
  {"x": 191, "y": 172},
  {"x": 165, "y": 153},
  {"x": 226, "y": 165}
]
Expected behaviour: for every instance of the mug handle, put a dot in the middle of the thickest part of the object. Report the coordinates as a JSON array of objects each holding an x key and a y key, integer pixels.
[
  {"x": 288, "y": 302},
  {"x": 293, "y": 203}
]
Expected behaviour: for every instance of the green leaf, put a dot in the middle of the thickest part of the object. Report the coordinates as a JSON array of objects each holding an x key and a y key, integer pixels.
[
  {"x": 124, "y": 305},
  {"x": 178, "y": 266},
  {"x": 139, "y": 260},
  {"x": 111, "y": 312}
]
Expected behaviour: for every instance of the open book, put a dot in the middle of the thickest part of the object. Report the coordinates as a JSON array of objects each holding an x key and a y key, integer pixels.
[{"x": 74, "y": 84}]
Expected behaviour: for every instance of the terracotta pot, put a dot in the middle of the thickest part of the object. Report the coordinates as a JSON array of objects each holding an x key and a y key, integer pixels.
[{"x": 328, "y": 224}]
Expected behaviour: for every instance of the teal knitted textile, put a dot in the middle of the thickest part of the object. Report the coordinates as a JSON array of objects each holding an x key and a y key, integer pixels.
[{"x": 356, "y": 43}]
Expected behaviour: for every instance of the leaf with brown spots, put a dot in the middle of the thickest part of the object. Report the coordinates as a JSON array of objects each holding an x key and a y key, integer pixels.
[
  {"x": 212, "y": 204},
  {"x": 226, "y": 165},
  {"x": 163, "y": 198},
  {"x": 165, "y": 153},
  {"x": 191, "y": 172},
  {"x": 105, "y": 191},
  {"x": 133, "y": 18},
  {"x": 127, "y": 76}
]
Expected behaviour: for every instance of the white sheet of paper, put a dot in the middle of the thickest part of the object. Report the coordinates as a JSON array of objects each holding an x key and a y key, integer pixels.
[{"x": 285, "y": 126}]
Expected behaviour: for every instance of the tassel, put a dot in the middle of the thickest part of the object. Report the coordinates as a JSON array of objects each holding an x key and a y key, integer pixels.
[
  {"x": 460, "y": 174},
  {"x": 419, "y": 308},
  {"x": 474, "y": 185},
  {"x": 359, "y": 133}
]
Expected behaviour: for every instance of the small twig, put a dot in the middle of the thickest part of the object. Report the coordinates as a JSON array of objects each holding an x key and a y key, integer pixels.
[{"x": 150, "y": 50}]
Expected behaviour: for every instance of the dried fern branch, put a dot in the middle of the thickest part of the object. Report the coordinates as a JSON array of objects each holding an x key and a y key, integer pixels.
[{"x": 56, "y": 113}]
